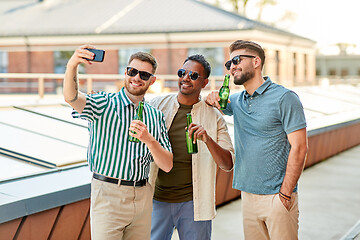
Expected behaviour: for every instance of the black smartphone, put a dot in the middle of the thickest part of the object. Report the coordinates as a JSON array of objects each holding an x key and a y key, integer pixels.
[{"x": 99, "y": 54}]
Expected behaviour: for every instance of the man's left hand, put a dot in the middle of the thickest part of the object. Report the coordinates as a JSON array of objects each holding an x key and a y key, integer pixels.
[
  {"x": 140, "y": 130},
  {"x": 199, "y": 132},
  {"x": 285, "y": 202}
]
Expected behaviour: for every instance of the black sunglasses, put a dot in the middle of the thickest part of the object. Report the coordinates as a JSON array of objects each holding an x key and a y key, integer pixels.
[
  {"x": 193, "y": 75},
  {"x": 132, "y": 72},
  {"x": 236, "y": 60}
]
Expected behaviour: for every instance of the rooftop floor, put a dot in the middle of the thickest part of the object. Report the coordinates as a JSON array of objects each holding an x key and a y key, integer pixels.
[
  {"x": 329, "y": 202},
  {"x": 329, "y": 191}
]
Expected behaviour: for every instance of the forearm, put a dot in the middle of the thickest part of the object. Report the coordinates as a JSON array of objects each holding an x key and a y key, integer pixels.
[
  {"x": 221, "y": 156},
  {"x": 162, "y": 158},
  {"x": 71, "y": 90},
  {"x": 70, "y": 84},
  {"x": 294, "y": 168}
]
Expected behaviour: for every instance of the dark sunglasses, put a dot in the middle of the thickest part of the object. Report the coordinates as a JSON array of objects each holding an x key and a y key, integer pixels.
[
  {"x": 236, "y": 60},
  {"x": 132, "y": 72},
  {"x": 193, "y": 75}
]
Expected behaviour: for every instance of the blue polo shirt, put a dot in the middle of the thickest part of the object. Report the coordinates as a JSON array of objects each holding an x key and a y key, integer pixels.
[{"x": 262, "y": 122}]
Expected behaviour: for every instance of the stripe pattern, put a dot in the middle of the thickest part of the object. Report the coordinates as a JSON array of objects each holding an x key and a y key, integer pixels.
[{"x": 109, "y": 151}]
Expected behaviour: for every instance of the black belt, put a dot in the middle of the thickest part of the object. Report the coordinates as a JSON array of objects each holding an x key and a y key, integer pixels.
[{"x": 122, "y": 182}]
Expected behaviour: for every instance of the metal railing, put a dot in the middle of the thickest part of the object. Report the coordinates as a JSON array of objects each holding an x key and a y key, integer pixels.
[
  {"x": 8, "y": 81},
  {"x": 38, "y": 81}
]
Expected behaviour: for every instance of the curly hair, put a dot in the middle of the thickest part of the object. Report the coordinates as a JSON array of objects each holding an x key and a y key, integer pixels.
[{"x": 200, "y": 59}]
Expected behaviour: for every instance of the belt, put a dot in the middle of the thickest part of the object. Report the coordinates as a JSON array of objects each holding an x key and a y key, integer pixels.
[{"x": 122, "y": 182}]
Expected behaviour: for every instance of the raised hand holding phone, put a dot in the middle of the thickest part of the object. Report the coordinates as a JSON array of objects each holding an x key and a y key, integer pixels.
[
  {"x": 98, "y": 54},
  {"x": 85, "y": 54}
]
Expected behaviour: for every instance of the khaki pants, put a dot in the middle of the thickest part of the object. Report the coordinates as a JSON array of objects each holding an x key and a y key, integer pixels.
[
  {"x": 120, "y": 212},
  {"x": 265, "y": 217}
]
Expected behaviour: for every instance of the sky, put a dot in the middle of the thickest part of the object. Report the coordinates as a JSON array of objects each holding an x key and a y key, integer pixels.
[{"x": 326, "y": 21}]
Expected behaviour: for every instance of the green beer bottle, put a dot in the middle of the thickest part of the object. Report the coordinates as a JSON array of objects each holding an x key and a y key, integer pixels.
[
  {"x": 139, "y": 116},
  {"x": 191, "y": 146},
  {"x": 224, "y": 92}
]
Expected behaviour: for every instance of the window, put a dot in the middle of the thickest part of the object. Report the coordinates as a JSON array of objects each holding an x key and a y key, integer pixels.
[
  {"x": 3, "y": 62},
  {"x": 215, "y": 56},
  {"x": 332, "y": 72},
  {"x": 124, "y": 55},
  {"x": 294, "y": 62},
  {"x": 305, "y": 66},
  {"x": 344, "y": 72},
  {"x": 264, "y": 68},
  {"x": 277, "y": 62},
  {"x": 60, "y": 60}
]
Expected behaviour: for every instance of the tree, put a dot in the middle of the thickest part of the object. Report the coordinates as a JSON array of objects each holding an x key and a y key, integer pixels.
[
  {"x": 235, "y": 5},
  {"x": 286, "y": 20},
  {"x": 261, "y": 4},
  {"x": 240, "y": 6},
  {"x": 245, "y": 2}
]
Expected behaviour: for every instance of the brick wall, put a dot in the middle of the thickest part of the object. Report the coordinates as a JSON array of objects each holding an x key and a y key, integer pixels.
[
  {"x": 42, "y": 62},
  {"x": 30, "y": 62},
  {"x": 178, "y": 57},
  {"x": 18, "y": 62},
  {"x": 108, "y": 66},
  {"x": 164, "y": 58}
]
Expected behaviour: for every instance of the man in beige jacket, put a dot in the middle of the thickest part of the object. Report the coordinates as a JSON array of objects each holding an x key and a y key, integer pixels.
[{"x": 185, "y": 197}]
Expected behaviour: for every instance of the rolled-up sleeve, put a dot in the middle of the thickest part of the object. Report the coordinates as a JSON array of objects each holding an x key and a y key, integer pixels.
[
  {"x": 94, "y": 107},
  {"x": 223, "y": 138},
  {"x": 164, "y": 138}
]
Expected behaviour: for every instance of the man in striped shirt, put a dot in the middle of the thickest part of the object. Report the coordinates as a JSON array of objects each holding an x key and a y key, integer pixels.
[{"x": 121, "y": 197}]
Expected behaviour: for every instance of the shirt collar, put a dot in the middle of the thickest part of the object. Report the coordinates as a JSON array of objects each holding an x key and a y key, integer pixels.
[
  {"x": 264, "y": 86},
  {"x": 195, "y": 105},
  {"x": 125, "y": 99},
  {"x": 198, "y": 104},
  {"x": 260, "y": 90}
]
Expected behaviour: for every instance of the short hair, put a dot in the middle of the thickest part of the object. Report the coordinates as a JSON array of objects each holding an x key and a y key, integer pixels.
[
  {"x": 249, "y": 45},
  {"x": 145, "y": 57},
  {"x": 200, "y": 59}
]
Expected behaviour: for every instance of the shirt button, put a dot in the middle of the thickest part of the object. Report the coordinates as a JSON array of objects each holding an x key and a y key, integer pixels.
[
  {"x": 251, "y": 98},
  {"x": 250, "y": 105}
]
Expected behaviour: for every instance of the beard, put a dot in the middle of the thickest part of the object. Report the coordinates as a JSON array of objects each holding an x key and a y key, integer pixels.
[
  {"x": 243, "y": 78},
  {"x": 138, "y": 91}
]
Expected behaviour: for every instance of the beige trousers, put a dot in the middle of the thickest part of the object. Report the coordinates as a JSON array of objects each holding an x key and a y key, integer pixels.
[
  {"x": 265, "y": 217},
  {"x": 120, "y": 212}
]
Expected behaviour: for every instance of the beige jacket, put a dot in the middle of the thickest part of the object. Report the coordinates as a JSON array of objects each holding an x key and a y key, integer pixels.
[{"x": 203, "y": 165}]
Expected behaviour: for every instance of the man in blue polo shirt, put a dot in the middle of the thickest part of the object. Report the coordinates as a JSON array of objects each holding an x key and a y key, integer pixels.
[{"x": 270, "y": 145}]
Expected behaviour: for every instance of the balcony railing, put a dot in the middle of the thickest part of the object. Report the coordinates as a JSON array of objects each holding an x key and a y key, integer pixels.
[
  {"x": 13, "y": 82},
  {"x": 42, "y": 83}
]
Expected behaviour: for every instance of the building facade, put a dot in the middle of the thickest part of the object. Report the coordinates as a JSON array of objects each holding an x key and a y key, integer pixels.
[{"x": 170, "y": 31}]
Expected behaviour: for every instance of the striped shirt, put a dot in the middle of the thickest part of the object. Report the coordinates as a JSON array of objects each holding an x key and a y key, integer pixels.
[{"x": 109, "y": 151}]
